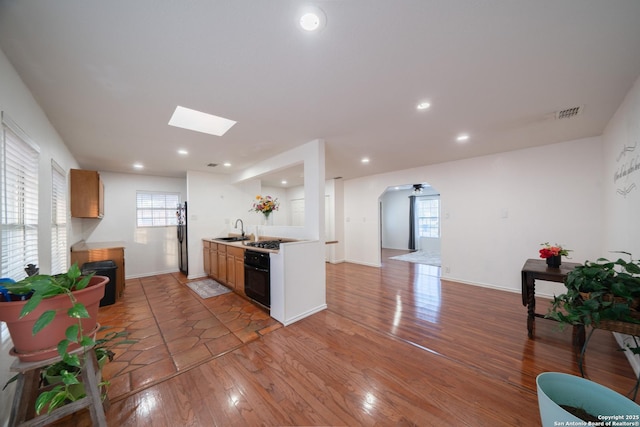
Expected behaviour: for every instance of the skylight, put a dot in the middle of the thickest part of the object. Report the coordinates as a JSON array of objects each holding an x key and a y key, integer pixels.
[{"x": 198, "y": 121}]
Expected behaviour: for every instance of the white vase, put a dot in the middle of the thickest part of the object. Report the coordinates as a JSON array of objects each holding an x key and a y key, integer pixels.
[{"x": 267, "y": 218}]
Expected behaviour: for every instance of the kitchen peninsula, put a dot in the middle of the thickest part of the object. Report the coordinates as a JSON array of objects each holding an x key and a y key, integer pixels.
[{"x": 293, "y": 292}]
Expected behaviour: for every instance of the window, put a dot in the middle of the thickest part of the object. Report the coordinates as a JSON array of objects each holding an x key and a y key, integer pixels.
[
  {"x": 58, "y": 219},
  {"x": 156, "y": 209},
  {"x": 428, "y": 216},
  {"x": 19, "y": 200}
]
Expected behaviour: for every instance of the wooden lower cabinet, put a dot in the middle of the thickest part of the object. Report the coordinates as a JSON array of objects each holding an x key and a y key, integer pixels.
[
  {"x": 240, "y": 274},
  {"x": 206, "y": 248},
  {"x": 235, "y": 268},
  {"x": 225, "y": 264},
  {"x": 222, "y": 264},
  {"x": 213, "y": 260}
]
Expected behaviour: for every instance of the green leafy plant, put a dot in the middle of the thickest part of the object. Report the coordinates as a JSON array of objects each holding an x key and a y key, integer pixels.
[
  {"x": 39, "y": 287},
  {"x": 66, "y": 379},
  {"x": 598, "y": 291}
]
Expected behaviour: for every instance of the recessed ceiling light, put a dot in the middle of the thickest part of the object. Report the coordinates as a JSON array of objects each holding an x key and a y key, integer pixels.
[
  {"x": 183, "y": 152},
  {"x": 138, "y": 166},
  {"x": 226, "y": 164},
  {"x": 198, "y": 121},
  {"x": 423, "y": 106},
  {"x": 462, "y": 137},
  {"x": 365, "y": 160},
  {"x": 312, "y": 19},
  {"x": 284, "y": 181}
]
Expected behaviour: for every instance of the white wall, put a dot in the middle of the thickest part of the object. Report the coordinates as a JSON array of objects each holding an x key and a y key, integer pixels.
[
  {"x": 214, "y": 206},
  {"x": 16, "y": 100},
  {"x": 312, "y": 155},
  {"x": 395, "y": 219},
  {"x": 496, "y": 210},
  {"x": 216, "y": 201},
  {"x": 149, "y": 250},
  {"x": 337, "y": 250},
  {"x": 621, "y": 189}
]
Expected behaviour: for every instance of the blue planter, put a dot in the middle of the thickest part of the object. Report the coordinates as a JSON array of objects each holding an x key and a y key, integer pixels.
[{"x": 555, "y": 389}]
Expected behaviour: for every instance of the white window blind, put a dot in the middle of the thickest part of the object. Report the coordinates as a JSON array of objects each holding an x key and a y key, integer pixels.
[
  {"x": 58, "y": 219},
  {"x": 156, "y": 209},
  {"x": 19, "y": 187}
]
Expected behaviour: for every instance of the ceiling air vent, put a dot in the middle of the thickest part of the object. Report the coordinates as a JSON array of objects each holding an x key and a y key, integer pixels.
[
  {"x": 567, "y": 113},
  {"x": 212, "y": 165}
]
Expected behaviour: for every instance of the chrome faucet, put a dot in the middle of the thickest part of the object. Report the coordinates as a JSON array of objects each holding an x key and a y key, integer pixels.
[{"x": 241, "y": 227}]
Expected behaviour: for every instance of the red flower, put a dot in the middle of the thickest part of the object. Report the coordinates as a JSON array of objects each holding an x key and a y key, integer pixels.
[
  {"x": 545, "y": 253},
  {"x": 549, "y": 251}
]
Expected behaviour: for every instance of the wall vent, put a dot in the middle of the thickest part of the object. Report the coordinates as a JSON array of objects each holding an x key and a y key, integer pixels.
[{"x": 567, "y": 113}]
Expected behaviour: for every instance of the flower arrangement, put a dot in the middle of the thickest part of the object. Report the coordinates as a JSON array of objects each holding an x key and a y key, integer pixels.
[
  {"x": 548, "y": 251},
  {"x": 265, "y": 205}
]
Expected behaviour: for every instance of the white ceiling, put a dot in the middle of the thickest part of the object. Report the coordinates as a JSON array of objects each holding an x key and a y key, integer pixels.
[{"x": 109, "y": 75}]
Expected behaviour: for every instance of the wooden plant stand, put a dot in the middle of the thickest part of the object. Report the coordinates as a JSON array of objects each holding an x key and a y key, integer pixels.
[{"x": 27, "y": 390}]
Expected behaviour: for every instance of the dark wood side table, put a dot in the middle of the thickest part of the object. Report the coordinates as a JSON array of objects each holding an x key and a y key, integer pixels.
[{"x": 537, "y": 269}]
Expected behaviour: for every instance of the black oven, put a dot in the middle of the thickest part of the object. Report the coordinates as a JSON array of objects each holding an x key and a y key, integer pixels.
[{"x": 257, "y": 279}]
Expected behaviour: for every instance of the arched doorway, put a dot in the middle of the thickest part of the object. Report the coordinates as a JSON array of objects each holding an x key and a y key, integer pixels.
[{"x": 410, "y": 224}]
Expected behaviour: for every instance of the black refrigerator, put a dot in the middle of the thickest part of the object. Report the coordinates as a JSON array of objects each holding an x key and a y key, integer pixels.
[{"x": 183, "y": 258}]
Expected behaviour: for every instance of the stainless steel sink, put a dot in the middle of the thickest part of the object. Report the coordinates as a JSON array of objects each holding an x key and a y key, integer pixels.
[{"x": 230, "y": 239}]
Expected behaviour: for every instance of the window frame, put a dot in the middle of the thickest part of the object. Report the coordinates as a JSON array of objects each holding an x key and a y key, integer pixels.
[
  {"x": 19, "y": 158},
  {"x": 163, "y": 215},
  {"x": 427, "y": 218},
  {"x": 59, "y": 219}
]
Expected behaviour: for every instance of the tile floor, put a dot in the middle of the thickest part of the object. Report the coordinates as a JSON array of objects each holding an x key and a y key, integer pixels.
[{"x": 175, "y": 330}]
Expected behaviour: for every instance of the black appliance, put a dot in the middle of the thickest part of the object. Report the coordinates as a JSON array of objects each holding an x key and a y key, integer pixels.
[
  {"x": 104, "y": 268},
  {"x": 265, "y": 244},
  {"x": 183, "y": 259},
  {"x": 257, "y": 277}
]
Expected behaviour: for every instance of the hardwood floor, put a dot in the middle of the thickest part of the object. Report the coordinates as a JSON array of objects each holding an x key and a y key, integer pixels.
[{"x": 396, "y": 346}]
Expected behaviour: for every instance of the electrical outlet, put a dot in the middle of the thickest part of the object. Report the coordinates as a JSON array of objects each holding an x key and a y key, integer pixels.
[{"x": 447, "y": 270}]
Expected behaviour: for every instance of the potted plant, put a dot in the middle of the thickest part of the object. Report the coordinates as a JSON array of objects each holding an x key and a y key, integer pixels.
[
  {"x": 553, "y": 254},
  {"x": 565, "y": 399},
  {"x": 601, "y": 294},
  {"x": 65, "y": 378},
  {"x": 265, "y": 205},
  {"x": 599, "y": 291},
  {"x": 67, "y": 306}
]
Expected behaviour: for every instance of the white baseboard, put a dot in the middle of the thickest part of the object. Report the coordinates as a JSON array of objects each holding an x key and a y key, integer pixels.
[
  {"x": 155, "y": 273},
  {"x": 301, "y": 316},
  {"x": 368, "y": 264}
]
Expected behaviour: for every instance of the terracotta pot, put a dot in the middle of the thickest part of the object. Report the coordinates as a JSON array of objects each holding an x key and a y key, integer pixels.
[{"x": 43, "y": 345}]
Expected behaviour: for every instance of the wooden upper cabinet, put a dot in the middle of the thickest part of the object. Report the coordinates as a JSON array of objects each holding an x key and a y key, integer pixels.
[{"x": 87, "y": 194}]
